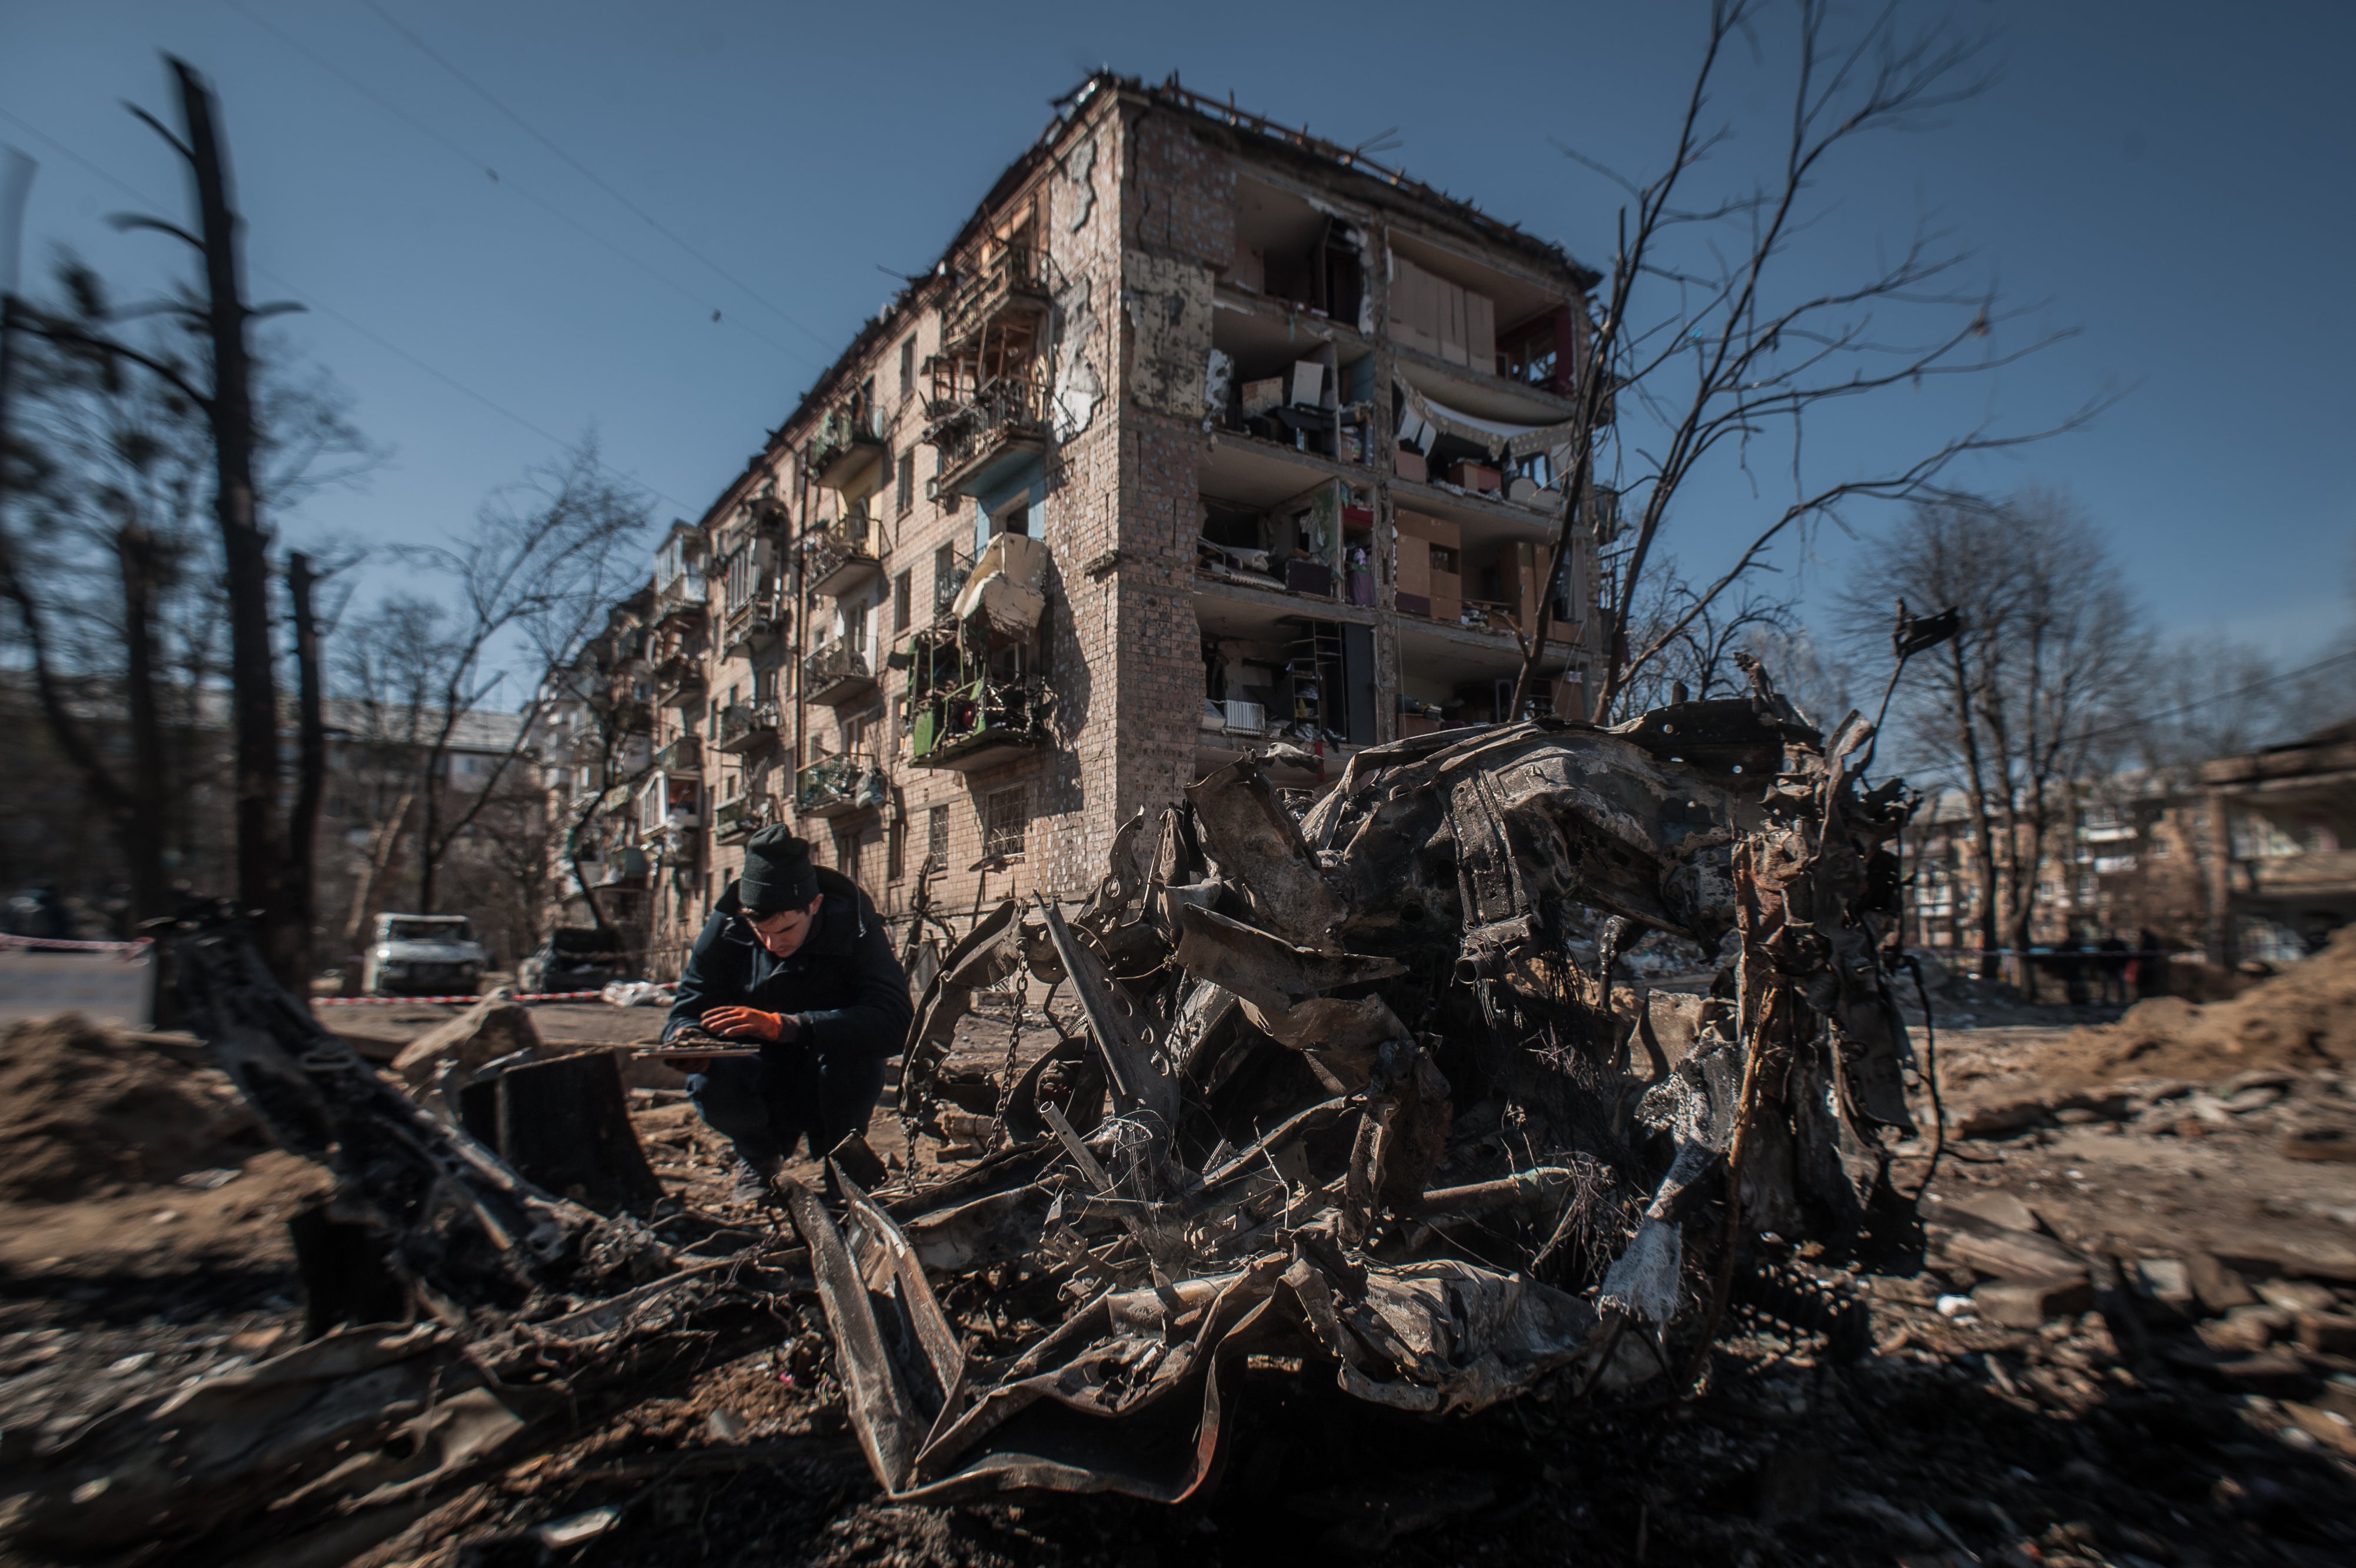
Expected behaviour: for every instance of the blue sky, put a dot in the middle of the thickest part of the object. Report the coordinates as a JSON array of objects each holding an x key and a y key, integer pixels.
[{"x": 2167, "y": 180}]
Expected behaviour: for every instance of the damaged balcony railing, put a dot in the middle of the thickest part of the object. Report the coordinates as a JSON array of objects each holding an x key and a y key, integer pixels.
[
  {"x": 683, "y": 596},
  {"x": 840, "y": 556},
  {"x": 757, "y": 621},
  {"x": 1006, "y": 418},
  {"x": 747, "y": 727},
  {"x": 849, "y": 440},
  {"x": 959, "y": 727},
  {"x": 741, "y": 816},
  {"x": 677, "y": 677},
  {"x": 1017, "y": 275},
  {"x": 836, "y": 672},
  {"x": 840, "y": 786},
  {"x": 952, "y": 568}
]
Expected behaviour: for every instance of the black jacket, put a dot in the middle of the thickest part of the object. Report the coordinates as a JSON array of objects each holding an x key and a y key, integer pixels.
[{"x": 843, "y": 983}]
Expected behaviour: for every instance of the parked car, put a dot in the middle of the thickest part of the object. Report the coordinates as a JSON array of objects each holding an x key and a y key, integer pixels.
[
  {"x": 423, "y": 955},
  {"x": 574, "y": 958}
]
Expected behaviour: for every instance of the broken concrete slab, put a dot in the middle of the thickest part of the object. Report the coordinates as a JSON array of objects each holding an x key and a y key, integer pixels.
[
  {"x": 2013, "y": 1254},
  {"x": 2032, "y": 1303},
  {"x": 497, "y": 1025},
  {"x": 2327, "y": 1333},
  {"x": 2298, "y": 1295},
  {"x": 2166, "y": 1283},
  {"x": 2218, "y": 1288},
  {"x": 2003, "y": 1210},
  {"x": 2246, "y": 1329}
]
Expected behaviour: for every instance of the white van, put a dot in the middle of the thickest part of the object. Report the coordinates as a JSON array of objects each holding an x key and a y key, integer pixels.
[{"x": 423, "y": 955}]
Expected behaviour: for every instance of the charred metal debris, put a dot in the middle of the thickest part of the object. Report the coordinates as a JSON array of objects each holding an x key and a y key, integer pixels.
[
  {"x": 1370, "y": 1089},
  {"x": 1373, "y": 1090}
]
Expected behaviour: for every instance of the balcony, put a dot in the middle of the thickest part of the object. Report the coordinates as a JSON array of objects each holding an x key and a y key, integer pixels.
[
  {"x": 747, "y": 728},
  {"x": 684, "y": 754},
  {"x": 840, "y": 787},
  {"x": 1019, "y": 277},
  {"x": 670, "y": 802},
  {"x": 676, "y": 844},
  {"x": 838, "y": 557},
  {"x": 741, "y": 818},
  {"x": 679, "y": 679},
  {"x": 949, "y": 581},
  {"x": 756, "y": 623},
  {"x": 683, "y": 598},
  {"x": 835, "y": 673},
  {"x": 979, "y": 723},
  {"x": 1003, "y": 424},
  {"x": 847, "y": 445}
]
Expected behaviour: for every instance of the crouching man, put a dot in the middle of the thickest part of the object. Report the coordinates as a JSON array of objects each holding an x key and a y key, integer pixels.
[{"x": 795, "y": 960}]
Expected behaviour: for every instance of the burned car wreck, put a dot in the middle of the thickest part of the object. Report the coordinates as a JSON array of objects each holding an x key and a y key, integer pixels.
[
  {"x": 1366, "y": 1089},
  {"x": 1370, "y": 1089}
]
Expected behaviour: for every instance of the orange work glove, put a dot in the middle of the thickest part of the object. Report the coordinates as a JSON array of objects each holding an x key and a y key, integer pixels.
[{"x": 750, "y": 1024}]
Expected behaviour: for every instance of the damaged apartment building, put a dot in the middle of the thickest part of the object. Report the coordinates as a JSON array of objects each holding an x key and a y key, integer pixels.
[{"x": 1204, "y": 437}]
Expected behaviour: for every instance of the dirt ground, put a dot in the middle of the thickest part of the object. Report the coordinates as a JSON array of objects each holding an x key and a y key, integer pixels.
[{"x": 2200, "y": 1414}]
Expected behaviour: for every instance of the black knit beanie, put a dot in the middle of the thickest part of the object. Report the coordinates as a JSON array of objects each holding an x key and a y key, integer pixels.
[{"x": 777, "y": 874}]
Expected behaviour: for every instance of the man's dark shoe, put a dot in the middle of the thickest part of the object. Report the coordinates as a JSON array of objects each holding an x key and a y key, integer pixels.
[{"x": 755, "y": 1180}]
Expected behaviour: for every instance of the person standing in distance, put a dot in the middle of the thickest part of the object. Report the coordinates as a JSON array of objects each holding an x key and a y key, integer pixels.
[{"x": 796, "y": 959}]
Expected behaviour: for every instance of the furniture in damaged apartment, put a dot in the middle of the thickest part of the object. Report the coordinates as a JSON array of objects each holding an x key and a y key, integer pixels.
[{"x": 1320, "y": 544}]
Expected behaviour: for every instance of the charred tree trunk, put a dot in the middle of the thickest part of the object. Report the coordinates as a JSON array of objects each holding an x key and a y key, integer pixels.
[
  {"x": 311, "y": 749},
  {"x": 245, "y": 545},
  {"x": 148, "y": 799}
]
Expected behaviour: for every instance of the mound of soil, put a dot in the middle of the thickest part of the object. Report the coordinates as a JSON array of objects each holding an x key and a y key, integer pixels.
[
  {"x": 84, "y": 1111},
  {"x": 2304, "y": 1018}
]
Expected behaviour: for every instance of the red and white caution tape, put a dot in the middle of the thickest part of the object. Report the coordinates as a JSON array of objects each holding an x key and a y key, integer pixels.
[
  {"x": 416, "y": 1001},
  {"x": 135, "y": 947}
]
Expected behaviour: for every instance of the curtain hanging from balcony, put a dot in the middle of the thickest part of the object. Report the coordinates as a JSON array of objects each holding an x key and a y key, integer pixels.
[{"x": 1501, "y": 439}]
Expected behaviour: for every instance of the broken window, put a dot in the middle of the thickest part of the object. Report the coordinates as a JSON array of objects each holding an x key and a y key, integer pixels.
[
  {"x": 936, "y": 837},
  {"x": 908, "y": 367},
  {"x": 1003, "y": 818},
  {"x": 903, "y": 495},
  {"x": 902, "y": 609},
  {"x": 895, "y": 850}
]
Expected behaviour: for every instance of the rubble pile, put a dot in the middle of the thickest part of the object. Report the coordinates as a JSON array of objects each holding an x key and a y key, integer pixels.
[
  {"x": 2304, "y": 1017},
  {"x": 1362, "y": 1089},
  {"x": 83, "y": 1112}
]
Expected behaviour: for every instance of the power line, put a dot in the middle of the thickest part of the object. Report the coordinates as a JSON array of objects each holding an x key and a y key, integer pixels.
[
  {"x": 589, "y": 174},
  {"x": 328, "y": 310},
  {"x": 2258, "y": 685},
  {"x": 444, "y": 142}
]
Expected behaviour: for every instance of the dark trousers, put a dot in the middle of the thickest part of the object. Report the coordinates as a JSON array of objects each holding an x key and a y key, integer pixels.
[{"x": 765, "y": 1107}]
